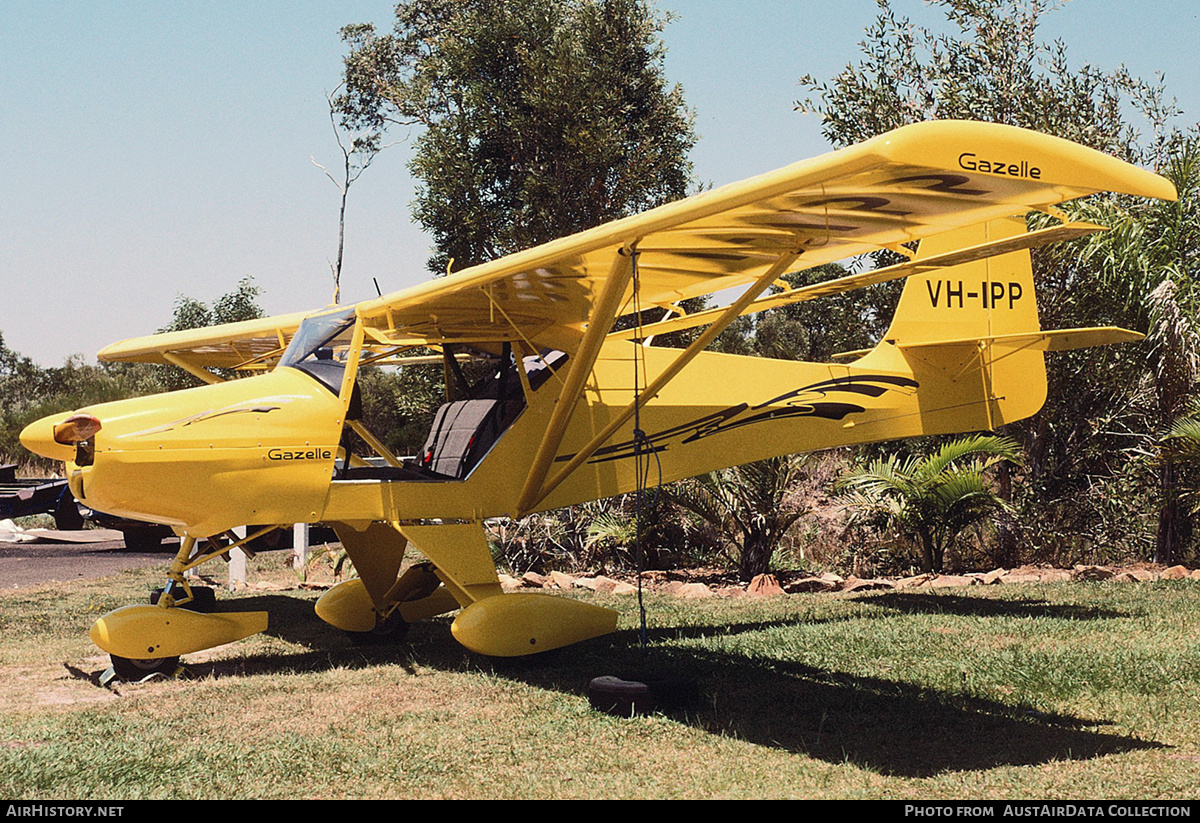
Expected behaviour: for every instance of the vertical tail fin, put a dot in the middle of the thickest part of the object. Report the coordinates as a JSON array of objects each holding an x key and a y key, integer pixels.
[
  {"x": 967, "y": 333},
  {"x": 985, "y": 298}
]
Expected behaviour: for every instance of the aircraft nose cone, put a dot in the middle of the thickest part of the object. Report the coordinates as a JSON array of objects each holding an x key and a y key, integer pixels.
[{"x": 38, "y": 437}]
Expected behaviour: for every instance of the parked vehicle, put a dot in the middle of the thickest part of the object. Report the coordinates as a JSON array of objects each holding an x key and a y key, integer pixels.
[{"x": 22, "y": 497}]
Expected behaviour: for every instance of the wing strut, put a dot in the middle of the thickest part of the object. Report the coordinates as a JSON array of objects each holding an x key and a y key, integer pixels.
[
  {"x": 731, "y": 313},
  {"x": 191, "y": 368},
  {"x": 581, "y": 366}
]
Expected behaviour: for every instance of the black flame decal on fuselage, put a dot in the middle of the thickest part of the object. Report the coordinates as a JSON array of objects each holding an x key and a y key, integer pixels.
[{"x": 808, "y": 401}]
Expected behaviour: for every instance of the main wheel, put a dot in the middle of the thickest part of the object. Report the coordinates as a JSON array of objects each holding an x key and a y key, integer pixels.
[
  {"x": 132, "y": 670},
  {"x": 391, "y": 630}
]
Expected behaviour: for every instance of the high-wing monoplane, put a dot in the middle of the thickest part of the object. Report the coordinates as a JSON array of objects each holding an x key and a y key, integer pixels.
[{"x": 568, "y": 373}]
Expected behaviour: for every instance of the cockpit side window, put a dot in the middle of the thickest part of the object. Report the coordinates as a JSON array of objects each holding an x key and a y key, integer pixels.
[
  {"x": 321, "y": 347},
  {"x": 485, "y": 395}
]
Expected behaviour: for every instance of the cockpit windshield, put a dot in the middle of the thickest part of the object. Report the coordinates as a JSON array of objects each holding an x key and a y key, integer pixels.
[{"x": 321, "y": 346}]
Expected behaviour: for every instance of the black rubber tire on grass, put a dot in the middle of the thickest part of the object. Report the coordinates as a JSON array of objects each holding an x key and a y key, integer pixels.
[
  {"x": 626, "y": 698},
  {"x": 129, "y": 670},
  {"x": 391, "y": 631}
]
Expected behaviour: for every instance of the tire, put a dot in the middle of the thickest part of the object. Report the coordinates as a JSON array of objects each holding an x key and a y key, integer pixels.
[
  {"x": 130, "y": 670},
  {"x": 391, "y": 631},
  {"x": 626, "y": 698}
]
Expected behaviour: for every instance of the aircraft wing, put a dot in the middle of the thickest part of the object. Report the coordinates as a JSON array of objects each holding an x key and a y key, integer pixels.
[
  {"x": 910, "y": 183},
  {"x": 229, "y": 345}
]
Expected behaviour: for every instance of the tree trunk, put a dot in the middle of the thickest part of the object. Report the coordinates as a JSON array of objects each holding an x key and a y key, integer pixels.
[
  {"x": 930, "y": 563},
  {"x": 1168, "y": 542},
  {"x": 1007, "y": 554},
  {"x": 756, "y": 555}
]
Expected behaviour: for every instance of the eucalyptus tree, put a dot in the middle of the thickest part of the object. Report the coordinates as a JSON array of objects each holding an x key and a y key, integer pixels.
[
  {"x": 989, "y": 63},
  {"x": 191, "y": 313},
  {"x": 358, "y": 152},
  {"x": 532, "y": 120},
  {"x": 232, "y": 307},
  {"x": 529, "y": 121}
]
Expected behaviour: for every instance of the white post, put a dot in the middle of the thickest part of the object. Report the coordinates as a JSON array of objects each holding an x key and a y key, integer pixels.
[
  {"x": 237, "y": 562},
  {"x": 300, "y": 547}
]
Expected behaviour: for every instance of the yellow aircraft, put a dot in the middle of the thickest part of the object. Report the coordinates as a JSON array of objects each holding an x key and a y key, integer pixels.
[{"x": 553, "y": 423}]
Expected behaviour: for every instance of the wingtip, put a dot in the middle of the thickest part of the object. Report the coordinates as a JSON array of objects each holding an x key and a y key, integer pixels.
[{"x": 1005, "y": 152}]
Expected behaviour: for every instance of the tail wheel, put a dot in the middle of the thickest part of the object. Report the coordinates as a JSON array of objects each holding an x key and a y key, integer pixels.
[{"x": 132, "y": 670}]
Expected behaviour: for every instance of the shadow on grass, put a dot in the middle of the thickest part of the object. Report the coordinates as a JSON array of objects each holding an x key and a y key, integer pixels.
[
  {"x": 922, "y": 603},
  {"x": 891, "y": 727}
]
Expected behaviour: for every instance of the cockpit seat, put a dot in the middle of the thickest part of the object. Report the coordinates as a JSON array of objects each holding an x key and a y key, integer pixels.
[{"x": 463, "y": 432}]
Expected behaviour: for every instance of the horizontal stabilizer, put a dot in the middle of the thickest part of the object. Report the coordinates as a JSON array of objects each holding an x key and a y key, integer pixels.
[{"x": 1057, "y": 340}]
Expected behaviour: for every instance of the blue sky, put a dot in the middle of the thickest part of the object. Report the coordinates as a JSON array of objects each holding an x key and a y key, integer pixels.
[{"x": 158, "y": 149}]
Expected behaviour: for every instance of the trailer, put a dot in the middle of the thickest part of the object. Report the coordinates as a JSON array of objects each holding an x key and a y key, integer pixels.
[{"x": 21, "y": 497}]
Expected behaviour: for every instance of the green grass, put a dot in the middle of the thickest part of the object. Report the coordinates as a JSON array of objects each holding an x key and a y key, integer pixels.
[{"x": 1061, "y": 691}]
